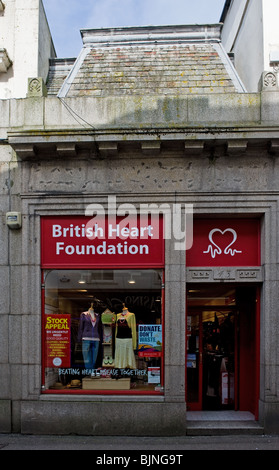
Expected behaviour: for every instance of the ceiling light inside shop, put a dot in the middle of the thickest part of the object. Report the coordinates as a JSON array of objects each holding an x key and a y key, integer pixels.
[
  {"x": 82, "y": 280},
  {"x": 131, "y": 280}
]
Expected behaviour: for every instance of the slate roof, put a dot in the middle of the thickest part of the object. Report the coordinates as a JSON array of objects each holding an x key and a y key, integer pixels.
[
  {"x": 59, "y": 69},
  {"x": 173, "y": 61}
]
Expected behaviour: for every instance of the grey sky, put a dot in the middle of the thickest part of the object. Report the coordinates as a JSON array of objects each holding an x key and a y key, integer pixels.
[{"x": 67, "y": 17}]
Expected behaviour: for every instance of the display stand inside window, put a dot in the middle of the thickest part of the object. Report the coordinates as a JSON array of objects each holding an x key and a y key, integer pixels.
[{"x": 108, "y": 322}]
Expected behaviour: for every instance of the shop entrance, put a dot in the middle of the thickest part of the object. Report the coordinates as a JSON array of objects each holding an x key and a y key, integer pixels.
[{"x": 222, "y": 347}]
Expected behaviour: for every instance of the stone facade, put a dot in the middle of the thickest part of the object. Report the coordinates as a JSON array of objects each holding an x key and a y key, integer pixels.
[
  {"x": 25, "y": 46},
  {"x": 217, "y": 151},
  {"x": 224, "y": 170},
  {"x": 250, "y": 35}
]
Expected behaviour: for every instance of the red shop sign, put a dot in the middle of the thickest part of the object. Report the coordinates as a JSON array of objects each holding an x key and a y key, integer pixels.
[
  {"x": 225, "y": 242},
  {"x": 81, "y": 241}
]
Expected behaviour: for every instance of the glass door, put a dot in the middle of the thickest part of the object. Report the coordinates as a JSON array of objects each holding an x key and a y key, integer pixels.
[
  {"x": 212, "y": 350},
  {"x": 219, "y": 359},
  {"x": 211, "y": 359}
]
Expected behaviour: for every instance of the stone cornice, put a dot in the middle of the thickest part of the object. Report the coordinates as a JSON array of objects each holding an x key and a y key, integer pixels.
[
  {"x": 211, "y": 142},
  {"x": 230, "y": 124}
]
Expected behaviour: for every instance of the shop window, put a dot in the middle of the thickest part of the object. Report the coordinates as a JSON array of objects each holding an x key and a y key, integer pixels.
[{"x": 103, "y": 331}]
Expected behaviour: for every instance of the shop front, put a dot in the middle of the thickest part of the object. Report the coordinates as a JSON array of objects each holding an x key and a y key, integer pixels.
[
  {"x": 103, "y": 305},
  {"x": 223, "y": 316}
]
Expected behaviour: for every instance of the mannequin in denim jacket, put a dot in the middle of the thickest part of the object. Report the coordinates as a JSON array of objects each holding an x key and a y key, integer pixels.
[{"x": 89, "y": 335}]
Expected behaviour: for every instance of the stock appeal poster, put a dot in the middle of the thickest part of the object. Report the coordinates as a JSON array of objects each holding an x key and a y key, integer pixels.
[{"x": 58, "y": 340}]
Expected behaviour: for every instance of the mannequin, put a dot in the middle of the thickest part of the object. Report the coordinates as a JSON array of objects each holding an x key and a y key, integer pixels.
[
  {"x": 125, "y": 339},
  {"x": 89, "y": 335}
]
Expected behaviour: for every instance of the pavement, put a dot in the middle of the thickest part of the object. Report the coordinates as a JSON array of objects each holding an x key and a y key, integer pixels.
[{"x": 139, "y": 446}]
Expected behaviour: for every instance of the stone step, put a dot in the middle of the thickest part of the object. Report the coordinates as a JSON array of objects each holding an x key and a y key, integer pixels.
[{"x": 218, "y": 427}]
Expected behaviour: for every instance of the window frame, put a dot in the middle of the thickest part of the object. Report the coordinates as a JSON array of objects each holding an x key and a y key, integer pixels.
[{"x": 100, "y": 391}]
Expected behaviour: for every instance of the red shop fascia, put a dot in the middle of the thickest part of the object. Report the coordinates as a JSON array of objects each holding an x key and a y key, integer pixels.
[
  {"x": 113, "y": 242},
  {"x": 225, "y": 243}
]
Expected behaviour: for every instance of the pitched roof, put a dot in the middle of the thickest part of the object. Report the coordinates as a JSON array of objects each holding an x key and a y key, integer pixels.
[
  {"x": 59, "y": 69},
  {"x": 164, "y": 60}
]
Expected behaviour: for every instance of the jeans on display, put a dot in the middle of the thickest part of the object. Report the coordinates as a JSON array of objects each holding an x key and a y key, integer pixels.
[{"x": 90, "y": 352}]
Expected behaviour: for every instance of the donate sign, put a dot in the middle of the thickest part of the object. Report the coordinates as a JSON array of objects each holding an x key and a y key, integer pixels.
[
  {"x": 150, "y": 340},
  {"x": 83, "y": 242}
]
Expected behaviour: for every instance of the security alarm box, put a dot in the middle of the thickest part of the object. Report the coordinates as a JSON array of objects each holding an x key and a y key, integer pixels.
[{"x": 13, "y": 219}]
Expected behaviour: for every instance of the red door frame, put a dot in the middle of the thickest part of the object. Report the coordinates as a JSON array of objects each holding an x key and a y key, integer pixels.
[
  {"x": 258, "y": 339},
  {"x": 197, "y": 406}
]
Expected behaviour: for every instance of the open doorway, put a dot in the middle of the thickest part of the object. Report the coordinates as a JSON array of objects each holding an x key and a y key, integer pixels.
[{"x": 222, "y": 353}]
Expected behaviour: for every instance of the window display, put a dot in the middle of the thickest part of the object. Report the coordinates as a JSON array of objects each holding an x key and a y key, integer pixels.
[{"x": 102, "y": 331}]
